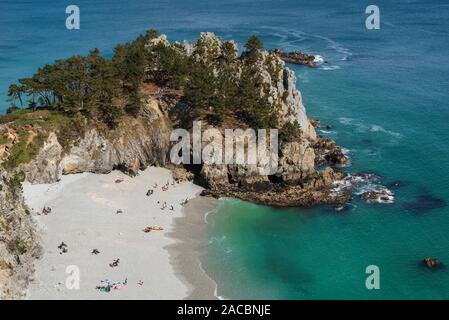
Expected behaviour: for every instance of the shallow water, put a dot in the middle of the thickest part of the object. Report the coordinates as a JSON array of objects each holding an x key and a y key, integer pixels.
[{"x": 384, "y": 91}]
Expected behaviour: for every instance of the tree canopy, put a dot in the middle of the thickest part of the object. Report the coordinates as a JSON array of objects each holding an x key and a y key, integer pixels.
[{"x": 103, "y": 89}]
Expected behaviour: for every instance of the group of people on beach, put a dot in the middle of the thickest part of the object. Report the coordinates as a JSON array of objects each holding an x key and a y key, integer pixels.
[
  {"x": 164, "y": 206},
  {"x": 45, "y": 211},
  {"x": 106, "y": 285},
  {"x": 165, "y": 187}
]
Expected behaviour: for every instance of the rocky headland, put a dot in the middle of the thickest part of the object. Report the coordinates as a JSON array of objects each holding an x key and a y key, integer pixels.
[{"x": 41, "y": 146}]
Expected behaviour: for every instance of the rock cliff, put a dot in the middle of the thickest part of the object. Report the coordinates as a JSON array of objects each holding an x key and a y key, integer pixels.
[
  {"x": 19, "y": 244},
  {"x": 134, "y": 145}
]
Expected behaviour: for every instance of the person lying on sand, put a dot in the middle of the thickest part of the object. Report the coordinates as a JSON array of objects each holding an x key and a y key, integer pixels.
[
  {"x": 114, "y": 263},
  {"x": 119, "y": 211},
  {"x": 63, "y": 248},
  {"x": 95, "y": 251}
]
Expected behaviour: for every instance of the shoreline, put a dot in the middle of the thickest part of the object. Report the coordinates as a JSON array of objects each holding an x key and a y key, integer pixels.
[
  {"x": 83, "y": 216},
  {"x": 190, "y": 247}
]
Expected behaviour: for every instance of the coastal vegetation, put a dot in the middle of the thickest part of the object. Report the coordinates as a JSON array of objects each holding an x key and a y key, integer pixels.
[
  {"x": 214, "y": 84},
  {"x": 15, "y": 183},
  {"x": 104, "y": 90}
]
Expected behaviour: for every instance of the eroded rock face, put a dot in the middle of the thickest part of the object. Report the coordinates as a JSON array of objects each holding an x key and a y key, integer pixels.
[
  {"x": 45, "y": 167},
  {"x": 297, "y": 161},
  {"x": 283, "y": 95},
  {"x": 138, "y": 144},
  {"x": 19, "y": 244}
]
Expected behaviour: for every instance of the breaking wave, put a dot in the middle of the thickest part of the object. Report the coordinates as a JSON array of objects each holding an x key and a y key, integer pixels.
[
  {"x": 360, "y": 126},
  {"x": 365, "y": 185}
]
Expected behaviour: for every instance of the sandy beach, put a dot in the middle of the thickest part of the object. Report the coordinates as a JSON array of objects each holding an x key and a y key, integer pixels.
[{"x": 99, "y": 221}]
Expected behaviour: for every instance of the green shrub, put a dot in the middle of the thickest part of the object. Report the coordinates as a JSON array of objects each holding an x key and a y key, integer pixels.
[
  {"x": 24, "y": 151},
  {"x": 15, "y": 183},
  {"x": 18, "y": 246},
  {"x": 290, "y": 132}
]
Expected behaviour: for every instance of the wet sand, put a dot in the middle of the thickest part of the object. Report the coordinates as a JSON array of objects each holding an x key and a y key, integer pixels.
[{"x": 188, "y": 251}]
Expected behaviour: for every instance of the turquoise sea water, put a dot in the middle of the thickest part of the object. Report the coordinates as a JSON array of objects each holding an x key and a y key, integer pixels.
[{"x": 385, "y": 92}]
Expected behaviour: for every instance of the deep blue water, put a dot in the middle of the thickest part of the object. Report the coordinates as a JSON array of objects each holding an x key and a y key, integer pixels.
[{"x": 385, "y": 91}]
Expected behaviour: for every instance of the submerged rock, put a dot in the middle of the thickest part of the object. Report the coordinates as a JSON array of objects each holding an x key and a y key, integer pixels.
[
  {"x": 367, "y": 141},
  {"x": 341, "y": 208},
  {"x": 379, "y": 196},
  {"x": 425, "y": 203},
  {"x": 397, "y": 184}
]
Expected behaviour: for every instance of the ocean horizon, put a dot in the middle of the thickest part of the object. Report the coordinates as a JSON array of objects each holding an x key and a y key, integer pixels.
[{"x": 384, "y": 94}]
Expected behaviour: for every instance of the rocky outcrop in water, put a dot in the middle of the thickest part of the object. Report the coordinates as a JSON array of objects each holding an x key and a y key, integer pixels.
[
  {"x": 295, "y": 57},
  {"x": 432, "y": 263},
  {"x": 296, "y": 181},
  {"x": 316, "y": 189}
]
